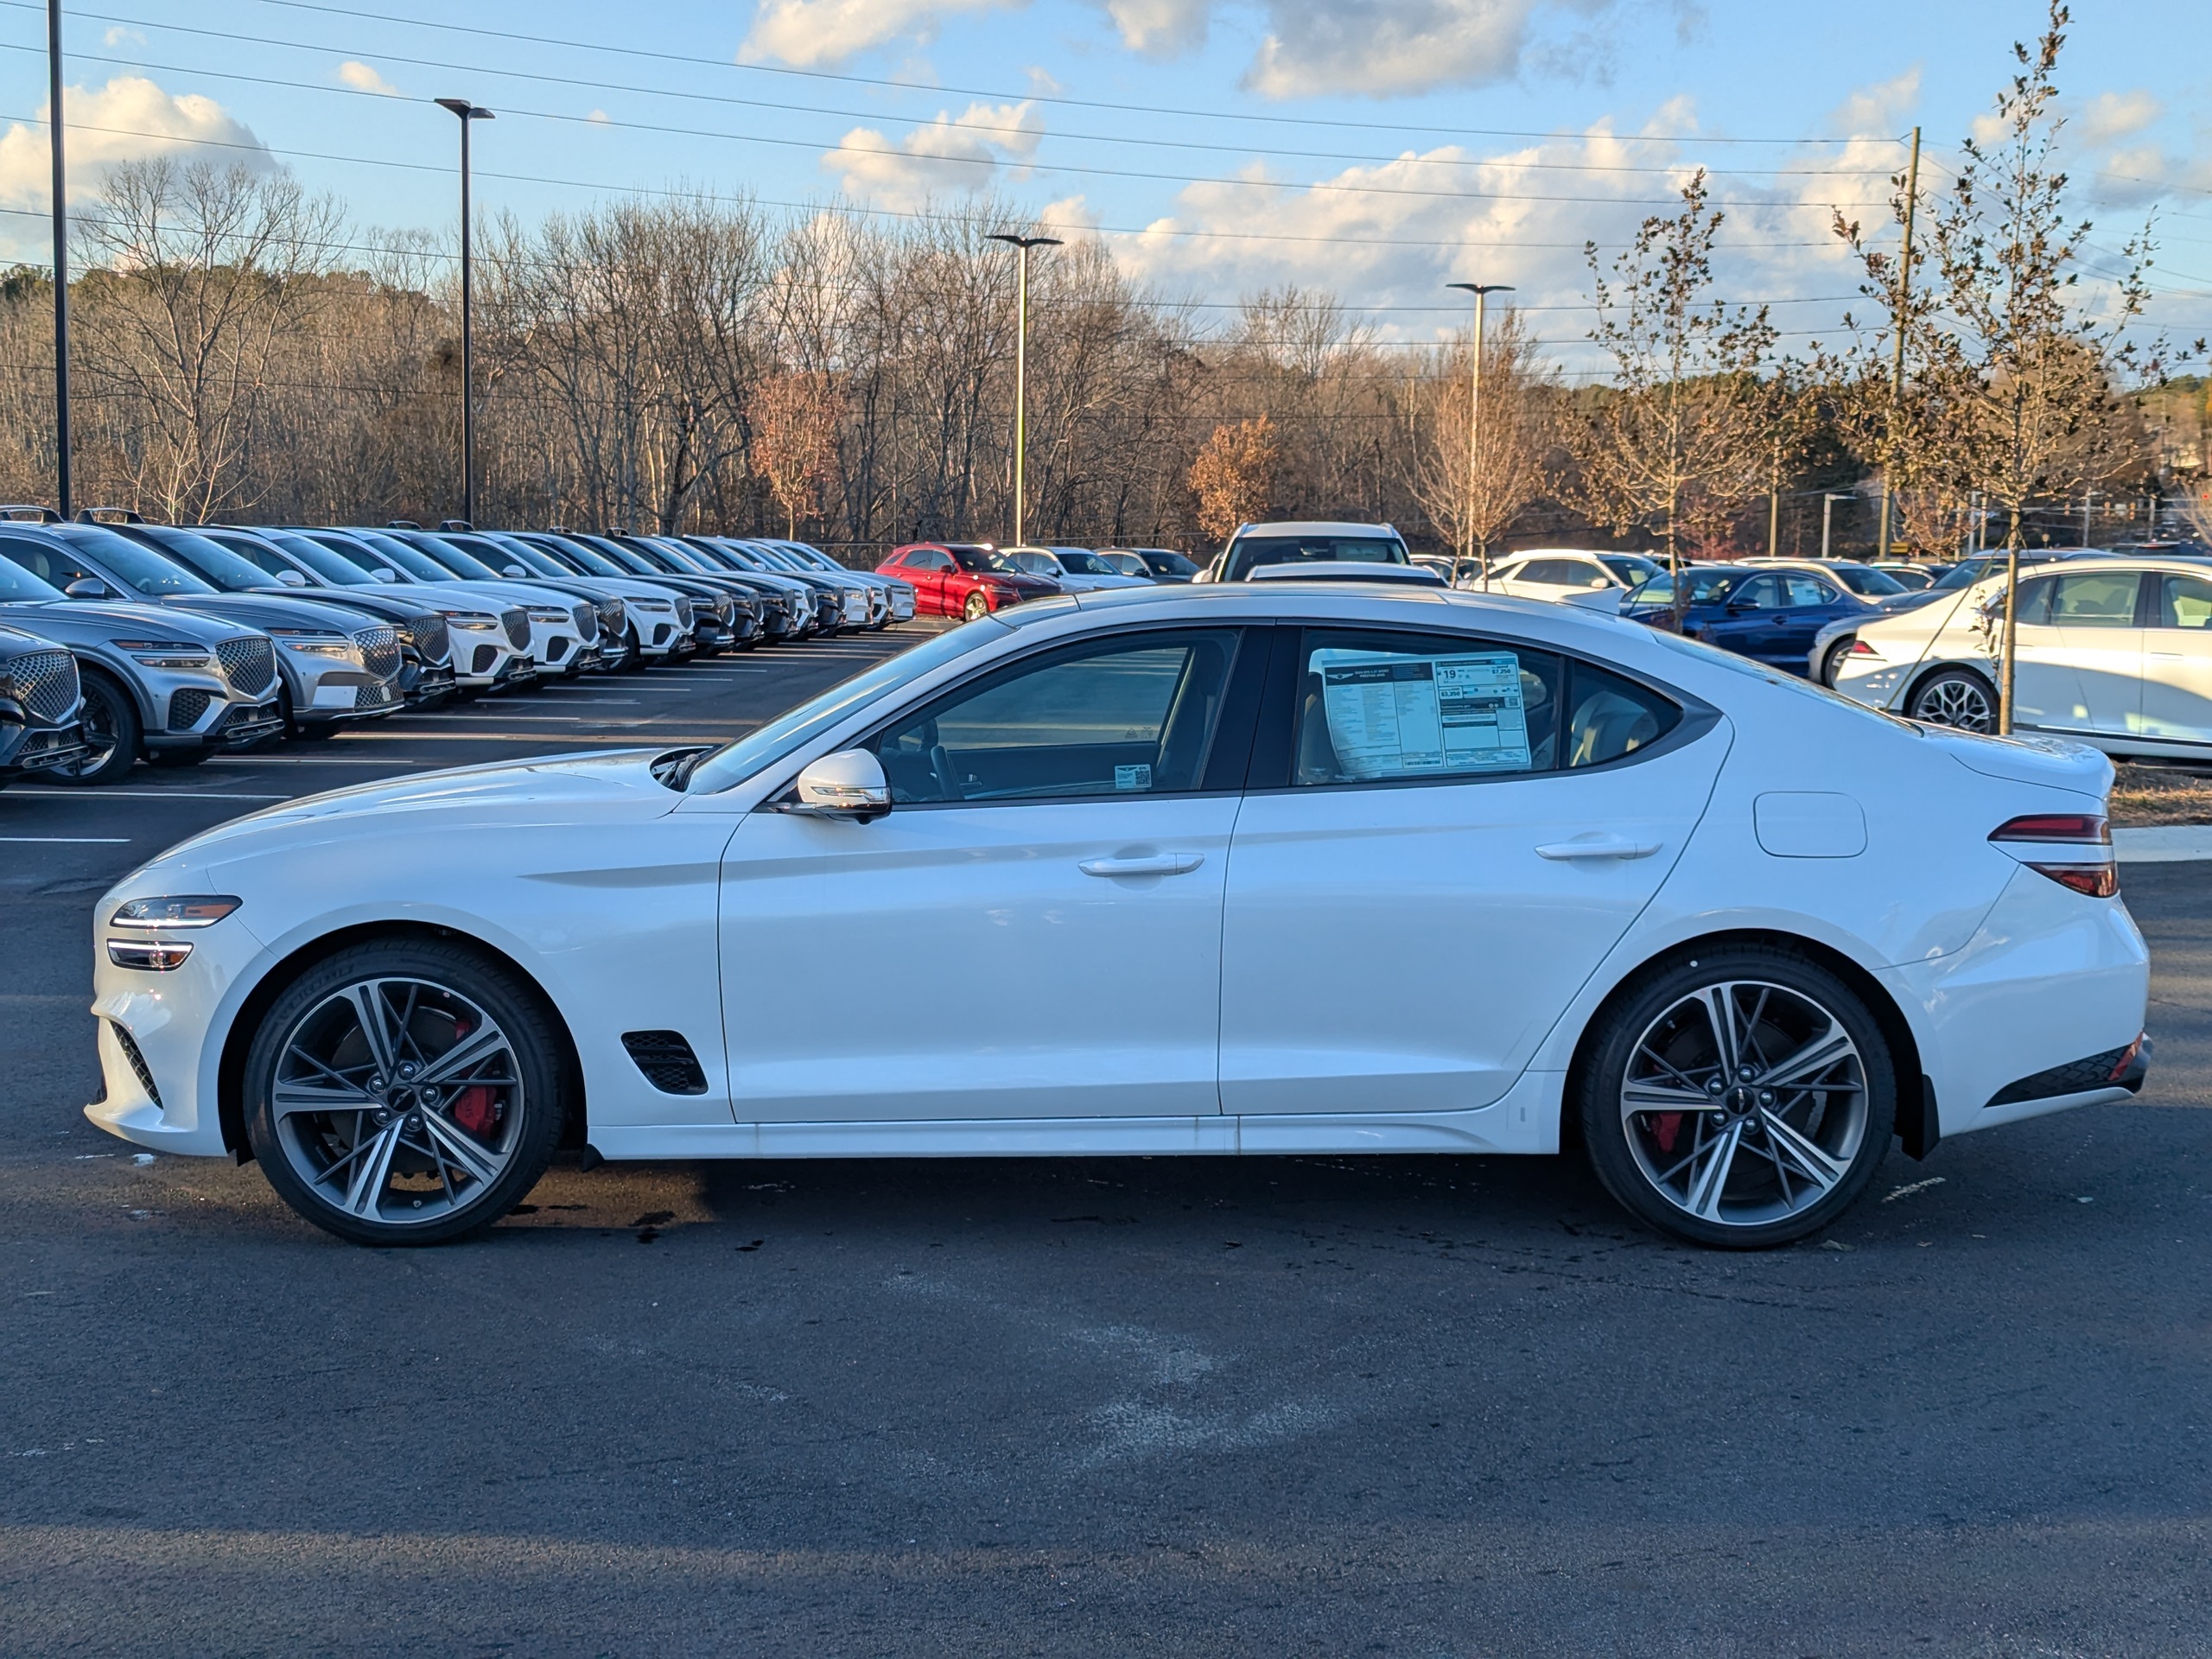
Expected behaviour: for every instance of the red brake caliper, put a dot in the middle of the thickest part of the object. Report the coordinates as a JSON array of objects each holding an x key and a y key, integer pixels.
[
  {"x": 474, "y": 1108},
  {"x": 1665, "y": 1125}
]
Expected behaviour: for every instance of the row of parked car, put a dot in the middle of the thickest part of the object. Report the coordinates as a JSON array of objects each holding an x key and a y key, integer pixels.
[{"x": 122, "y": 640}]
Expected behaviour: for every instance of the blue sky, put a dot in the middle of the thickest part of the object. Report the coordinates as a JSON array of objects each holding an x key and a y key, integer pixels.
[{"x": 1374, "y": 149}]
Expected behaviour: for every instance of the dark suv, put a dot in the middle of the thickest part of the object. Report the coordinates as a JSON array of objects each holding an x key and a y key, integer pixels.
[{"x": 40, "y": 703}]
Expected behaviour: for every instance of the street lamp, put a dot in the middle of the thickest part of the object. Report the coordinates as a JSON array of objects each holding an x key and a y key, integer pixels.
[
  {"x": 60, "y": 262},
  {"x": 467, "y": 113},
  {"x": 1022, "y": 366},
  {"x": 1480, "y": 290}
]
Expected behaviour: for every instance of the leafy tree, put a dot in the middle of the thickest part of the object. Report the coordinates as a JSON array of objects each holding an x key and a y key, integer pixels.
[{"x": 1234, "y": 476}]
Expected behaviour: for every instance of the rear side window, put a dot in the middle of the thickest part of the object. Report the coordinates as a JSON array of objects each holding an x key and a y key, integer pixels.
[
  {"x": 2184, "y": 603},
  {"x": 1608, "y": 717}
]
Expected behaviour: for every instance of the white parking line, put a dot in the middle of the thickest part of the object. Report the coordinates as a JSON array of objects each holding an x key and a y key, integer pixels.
[
  {"x": 89, "y": 795},
  {"x": 307, "y": 760},
  {"x": 71, "y": 841}
]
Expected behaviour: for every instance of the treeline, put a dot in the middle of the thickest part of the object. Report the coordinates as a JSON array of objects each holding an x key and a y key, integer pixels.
[{"x": 240, "y": 351}]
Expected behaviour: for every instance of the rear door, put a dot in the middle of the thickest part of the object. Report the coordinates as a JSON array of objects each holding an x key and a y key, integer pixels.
[
  {"x": 2177, "y": 660},
  {"x": 1750, "y": 623},
  {"x": 2094, "y": 614},
  {"x": 1443, "y": 836}
]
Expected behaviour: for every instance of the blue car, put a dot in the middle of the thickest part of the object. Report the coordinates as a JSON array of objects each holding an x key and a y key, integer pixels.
[{"x": 1768, "y": 613}]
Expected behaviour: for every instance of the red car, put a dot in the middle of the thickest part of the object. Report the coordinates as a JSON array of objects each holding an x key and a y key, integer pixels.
[{"x": 966, "y": 579}]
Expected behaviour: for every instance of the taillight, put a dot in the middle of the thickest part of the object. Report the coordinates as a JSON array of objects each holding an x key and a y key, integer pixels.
[
  {"x": 2056, "y": 826},
  {"x": 1861, "y": 648},
  {"x": 2096, "y": 881}
]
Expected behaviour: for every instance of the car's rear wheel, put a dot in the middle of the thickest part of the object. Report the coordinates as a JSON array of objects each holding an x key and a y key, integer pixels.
[
  {"x": 112, "y": 735},
  {"x": 404, "y": 1092},
  {"x": 1957, "y": 697},
  {"x": 1740, "y": 1098},
  {"x": 976, "y": 605},
  {"x": 1831, "y": 660}
]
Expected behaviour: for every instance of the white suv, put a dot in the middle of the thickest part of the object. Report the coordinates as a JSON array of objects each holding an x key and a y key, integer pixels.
[{"x": 1305, "y": 542}]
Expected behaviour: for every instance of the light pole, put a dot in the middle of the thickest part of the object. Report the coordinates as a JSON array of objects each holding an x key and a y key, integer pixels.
[
  {"x": 2088, "y": 499},
  {"x": 1481, "y": 292},
  {"x": 61, "y": 490},
  {"x": 467, "y": 113},
  {"x": 1022, "y": 367},
  {"x": 1828, "y": 499}
]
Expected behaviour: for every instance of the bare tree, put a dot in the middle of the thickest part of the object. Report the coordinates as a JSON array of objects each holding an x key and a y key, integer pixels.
[
  {"x": 1234, "y": 477},
  {"x": 1681, "y": 438},
  {"x": 202, "y": 274},
  {"x": 796, "y": 419},
  {"x": 1472, "y": 505}
]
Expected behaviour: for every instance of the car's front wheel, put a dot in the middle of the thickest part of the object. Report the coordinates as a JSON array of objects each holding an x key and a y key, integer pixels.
[
  {"x": 404, "y": 1092},
  {"x": 1741, "y": 1097},
  {"x": 976, "y": 605},
  {"x": 1957, "y": 697},
  {"x": 113, "y": 736}
]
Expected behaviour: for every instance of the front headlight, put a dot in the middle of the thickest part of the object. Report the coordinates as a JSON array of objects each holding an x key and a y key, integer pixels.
[
  {"x": 184, "y": 910},
  {"x": 474, "y": 620},
  {"x": 315, "y": 642},
  {"x": 553, "y": 617},
  {"x": 165, "y": 653}
]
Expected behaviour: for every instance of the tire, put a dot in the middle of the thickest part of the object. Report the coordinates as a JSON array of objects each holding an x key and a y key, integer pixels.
[
  {"x": 976, "y": 605},
  {"x": 113, "y": 734},
  {"x": 493, "y": 1122},
  {"x": 179, "y": 759},
  {"x": 1831, "y": 660},
  {"x": 1957, "y": 697},
  {"x": 1724, "y": 1155}
]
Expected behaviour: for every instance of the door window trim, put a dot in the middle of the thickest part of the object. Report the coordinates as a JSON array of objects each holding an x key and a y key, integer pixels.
[{"x": 1275, "y": 742}]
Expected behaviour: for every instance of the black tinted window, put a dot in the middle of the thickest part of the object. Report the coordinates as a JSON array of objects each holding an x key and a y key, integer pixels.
[
  {"x": 1134, "y": 715},
  {"x": 1608, "y": 717}
]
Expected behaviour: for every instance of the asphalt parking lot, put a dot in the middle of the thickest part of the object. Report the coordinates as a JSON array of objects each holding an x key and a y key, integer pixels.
[{"x": 1408, "y": 1406}]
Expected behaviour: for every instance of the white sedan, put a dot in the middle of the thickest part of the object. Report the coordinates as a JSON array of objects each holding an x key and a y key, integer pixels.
[
  {"x": 1411, "y": 870},
  {"x": 2114, "y": 652},
  {"x": 1569, "y": 576}
]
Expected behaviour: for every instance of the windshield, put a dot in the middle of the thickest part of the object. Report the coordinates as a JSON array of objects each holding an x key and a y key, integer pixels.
[
  {"x": 1704, "y": 587},
  {"x": 1087, "y": 564},
  {"x": 378, "y": 548},
  {"x": 1170, "y": 564},
  {"x": 206, "y": 557},
  {"x": 1630, "y": 567},
  {"x": 16, "y": 582},
  {"x": 1866, "y": 581},
  {"x": 527, "y": 556},
  {"x": 453, "y": 553},
  {"x": 1966, "y": 574},
  {"x": 627, "y": 559},
  {"x": 142, "y": 568},
  {"x": 589, "y": 560},
  {"x": 1249, "y": 553},
  {"x": 776, "y": 558},
  {"x": 981, "y": 558},
  {"x": 734, "y": 763}
]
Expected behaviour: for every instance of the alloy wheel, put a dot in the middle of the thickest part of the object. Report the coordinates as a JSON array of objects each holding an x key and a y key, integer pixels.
[
  {"x": 1744, "y": 1103},
  {"x": 102, "y": 730},
  {"x": 397, "y": 1101},
  {"x": 1955, "y": 700},
  {"x": 976, "y": 605}
]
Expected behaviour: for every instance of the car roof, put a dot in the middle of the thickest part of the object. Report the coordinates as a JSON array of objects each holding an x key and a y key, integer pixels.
[{"x": 1314, "y": 527}]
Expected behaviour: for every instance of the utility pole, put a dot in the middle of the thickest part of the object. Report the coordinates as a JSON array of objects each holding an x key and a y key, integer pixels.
[
  {"x": 1774, "y": 506},
  {"x": 1481, "y": 292},
  {"x": 1904, "y": 309},
  {"x": 2088, "y": 498},
  {"x": 1827, "y": 517},
  {"x": 61, "y": 480},
  {"x": 467, "y": 113},
  {"x": 1021, "y": 371}
]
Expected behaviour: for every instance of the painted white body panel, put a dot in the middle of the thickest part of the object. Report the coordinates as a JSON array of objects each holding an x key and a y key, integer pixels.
[{"x": 637, "y": 908}]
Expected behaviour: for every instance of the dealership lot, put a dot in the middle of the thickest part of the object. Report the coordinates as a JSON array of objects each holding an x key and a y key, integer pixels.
[{"x": 1405, "y": 1406}]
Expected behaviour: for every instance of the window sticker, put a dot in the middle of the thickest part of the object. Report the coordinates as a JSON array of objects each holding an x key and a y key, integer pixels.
[
  {"x": 1394, "y": 716},
  {"x": 1133, "y": 776}
]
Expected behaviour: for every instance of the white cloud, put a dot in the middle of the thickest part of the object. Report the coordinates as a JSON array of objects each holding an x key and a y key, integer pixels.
[
  {"x": 2117, "y": 115},
  {"x": 599, "y": 119},
  {"x": 811, "y": 34},
  {"x": 120, "y": 36},
  {"x": 362, "y": 78},
  {"x": 1880, "y": 107},
  {"x": 1380, "y": 47},
  {"x": 1159, "y": 28},
  {"x": 950, "y": 156},
  {"x": 129, "y": 119},
  {"x": 2145, "y": 174}
]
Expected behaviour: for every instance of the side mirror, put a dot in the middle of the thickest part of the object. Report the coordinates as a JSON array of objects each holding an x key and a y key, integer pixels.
[
  {"x": 847, "y": 785},
  {"x": 291, "y": 579},
  {"x": 381, "y": 574},
  {"x": 517, "y": 571},
  {"x": 86, "y": 587}
]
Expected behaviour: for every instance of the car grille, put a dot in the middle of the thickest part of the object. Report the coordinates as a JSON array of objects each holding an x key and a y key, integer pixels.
[
  {"x": 45, "y": 682},
  {"x": 586, "y": 621},
  {"x": 249, "y": 665},
  {"x": 611, "y": 618},
  {"x": 666, "y": 1059},
  {"x": 186, "y": 707},
  {"x": 683, "y": 612},
  {"x": 518, "y": 627},
  {"x": 379, "y": 651},
  {"x": 726, "y": 611},
  {"x": 428, "y": 635},
  {"x": 136, "y": 1061}
]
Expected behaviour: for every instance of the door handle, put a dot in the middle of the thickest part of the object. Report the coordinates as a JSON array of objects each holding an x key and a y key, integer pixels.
[
  {"x": 1163, "y": 864},
  {"x": 1598, "y": 847},
  {"x": 2164, "y": 656}
]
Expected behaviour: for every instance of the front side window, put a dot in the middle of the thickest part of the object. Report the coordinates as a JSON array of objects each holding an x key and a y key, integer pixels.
[
  {"x": 2184, "y": 603},
  {"x": 1134, "y": 715},
  {"x": 928, "y": 558},
  {"x": 2104, "y": 599}
]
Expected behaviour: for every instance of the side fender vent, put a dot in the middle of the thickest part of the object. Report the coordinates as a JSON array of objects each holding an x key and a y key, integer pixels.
[{"x": 667, "y": 1061}]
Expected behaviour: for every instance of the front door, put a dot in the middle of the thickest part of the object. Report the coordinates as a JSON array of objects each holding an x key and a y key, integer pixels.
[
  {"x": 2177, "y": 661},
  {"x": 1457, "y": 832},
  {"x": 1034, "y": 930}
]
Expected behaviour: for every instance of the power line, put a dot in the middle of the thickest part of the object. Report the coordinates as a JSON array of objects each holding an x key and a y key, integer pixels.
[
  {"x": 690, "y": 59},
  {"x": 864, "y": 115}
]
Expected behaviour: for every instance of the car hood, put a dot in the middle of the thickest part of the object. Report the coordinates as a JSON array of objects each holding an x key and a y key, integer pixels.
[
  {"x": 105, "y": 620},
  {"x": 271, "y": 613},
  {"x": 502, "y": 795},
  {"x": 2049, "y": 760},
  {"x": 1022, "y": 582}
]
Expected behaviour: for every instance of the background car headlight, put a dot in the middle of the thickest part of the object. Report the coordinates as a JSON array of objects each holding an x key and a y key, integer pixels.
[
  {"x": 183, "y": 910},
  {"x": 475, "y": 621}
]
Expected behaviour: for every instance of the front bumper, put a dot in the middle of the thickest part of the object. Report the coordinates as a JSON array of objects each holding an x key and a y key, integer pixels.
[
  {"x": 426, "y": 682},
  {"x": 37, "y": 745},
  {"x": 346, "y": 694}
]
